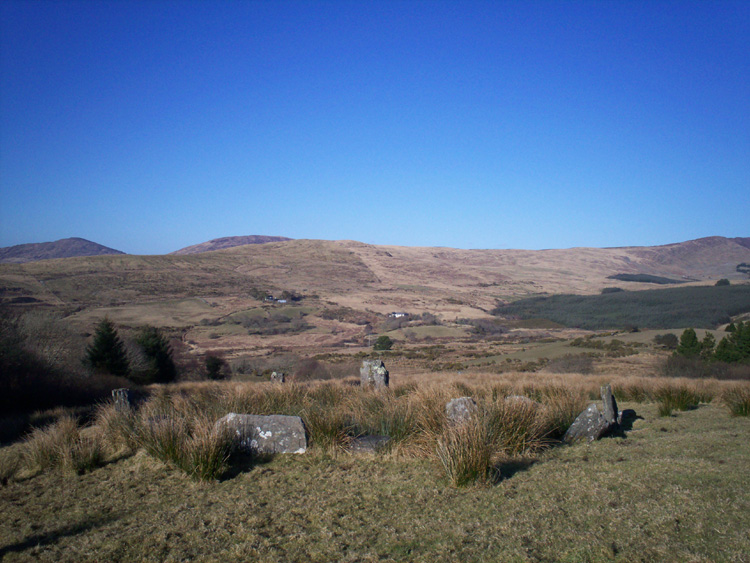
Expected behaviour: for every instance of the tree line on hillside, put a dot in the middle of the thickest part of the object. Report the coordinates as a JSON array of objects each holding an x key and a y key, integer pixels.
[
  {"x": 704, "y": 307},
  {"x": 151, "y": 362},
  {"x": 733, "y": 348}
]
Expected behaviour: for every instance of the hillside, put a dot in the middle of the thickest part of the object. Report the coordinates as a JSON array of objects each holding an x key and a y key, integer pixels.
[
  {"x": 451, "y": 282},
  {"x": 63, "y": 248},
  {"x": 227, "y": 242}
]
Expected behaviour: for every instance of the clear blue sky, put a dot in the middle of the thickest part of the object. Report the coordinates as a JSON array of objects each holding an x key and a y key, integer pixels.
[{"x": 151, "y": 125}]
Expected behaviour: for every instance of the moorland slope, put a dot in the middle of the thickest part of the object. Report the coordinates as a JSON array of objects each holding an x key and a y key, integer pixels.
[{"x": 458, "y": 283}]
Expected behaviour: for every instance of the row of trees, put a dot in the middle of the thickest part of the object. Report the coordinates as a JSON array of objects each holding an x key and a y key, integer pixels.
[
  {"x": 108, "y": 354},
  {"x": 733, "y": 348}
]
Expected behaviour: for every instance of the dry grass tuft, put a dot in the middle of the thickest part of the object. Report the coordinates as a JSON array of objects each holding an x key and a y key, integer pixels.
[
  {"x": 65, "y": 446},
  {"x": 9, "y": 466},
  {"x": 737, "y": 400}
]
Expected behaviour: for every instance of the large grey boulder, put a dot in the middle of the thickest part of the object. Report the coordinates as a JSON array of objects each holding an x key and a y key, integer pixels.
[
  {"x": 593, "y": 424},
  {"x": 460, "y": 410},
  {"x": 271, "y": 434},
  {"x": 373, "y": 374}
]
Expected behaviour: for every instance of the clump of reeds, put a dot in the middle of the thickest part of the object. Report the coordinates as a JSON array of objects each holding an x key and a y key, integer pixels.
[
  {"x": 466, "y": 452},
  {"x": 65, "y": 446},
  {"x": 186, "y": 440},
  {"x": 9, "y": 465},
  {"x": 681, "y": 398},
  {"x": 118, "y": 427},
  {"x": 737, "y": 400}
]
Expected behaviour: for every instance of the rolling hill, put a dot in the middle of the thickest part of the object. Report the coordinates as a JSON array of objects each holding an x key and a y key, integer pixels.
[
  {"x": 63, "y": 248},
  {"x": 227, "y": 242},
  {"x": 454, "y": 282}
]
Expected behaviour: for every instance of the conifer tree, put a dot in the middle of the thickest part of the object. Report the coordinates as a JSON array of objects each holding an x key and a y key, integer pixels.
[
  {"x": 689, "y": 346},
  {"x": 155, "y": 347},
  {"x": 107, "y": 352}
]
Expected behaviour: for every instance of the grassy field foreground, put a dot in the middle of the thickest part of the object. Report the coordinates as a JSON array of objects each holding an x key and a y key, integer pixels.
[{"x": 677, "y": 488}]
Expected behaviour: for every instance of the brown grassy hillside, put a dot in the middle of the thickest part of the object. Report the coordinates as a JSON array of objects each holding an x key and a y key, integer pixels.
[{"x": 380, "y": 278}]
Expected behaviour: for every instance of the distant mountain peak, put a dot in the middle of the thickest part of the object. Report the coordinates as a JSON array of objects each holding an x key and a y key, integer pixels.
[
  {"x": 63, "y": 248},
  {"x": 228, "y": 242}
]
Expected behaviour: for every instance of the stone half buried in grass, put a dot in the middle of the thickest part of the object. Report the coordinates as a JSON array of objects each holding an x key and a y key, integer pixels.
[
  {"x": 460, "y": 410},
  {"x": 368, "y": 444},
  {"x": 266, "y": 434},
  {"x": 593, "y": 424}
]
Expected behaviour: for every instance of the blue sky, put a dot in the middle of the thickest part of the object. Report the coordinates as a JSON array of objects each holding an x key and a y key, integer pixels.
[{"x": 148, "y": 126}]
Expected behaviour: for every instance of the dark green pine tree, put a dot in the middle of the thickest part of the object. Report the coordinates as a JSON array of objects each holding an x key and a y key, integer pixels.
[
  {"x": 690, "y": 346},
  {"x": 155, "y": 346},
  {"x": 107, "y": 352}
]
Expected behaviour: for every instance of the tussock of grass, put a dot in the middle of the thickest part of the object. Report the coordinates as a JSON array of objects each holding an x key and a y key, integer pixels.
[
  {"x": 65, "y": 446},
  {"x": 206, "y": 452},
  {"x": 118, "y": 427},
  {"x": 466, "y": 452},
  {"x": 9, "y": 465},
  {"x": 192, "y": 444},
  {"x": 672, "y": 398},
  {"x": 737, "y": 400}
]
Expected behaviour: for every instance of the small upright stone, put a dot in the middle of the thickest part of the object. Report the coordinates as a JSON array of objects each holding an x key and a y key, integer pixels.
[
  {"x": 121, "y": 399},
  {"x": 610, "y": 404},
  {"x": 373, "y": 374},
  {"x": 460, "y": 410},
  {"x": 277, "y": 377}
]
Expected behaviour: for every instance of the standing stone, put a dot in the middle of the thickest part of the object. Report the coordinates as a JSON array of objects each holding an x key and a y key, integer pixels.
[
  {"x": 277, "y": 377},
  {"x": 590, "y": 425},
  {"x": 121, "y": 398},
  {"x": 593, "y": 424},
  {"x": 610, "y": 404},
  {"x": 373, "y": 373},
  {"x": 272, "y": 434},
  {"x": 460, "y": 410}
]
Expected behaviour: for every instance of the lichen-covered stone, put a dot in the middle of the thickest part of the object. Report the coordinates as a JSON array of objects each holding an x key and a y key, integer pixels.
[
  {"x": 593, "y": 424},
  {"x": 461, "y": 409},
  {"x": 373, "y": 374},
  {"x": 271, "y": 434},
  {"x": 590, "y": 425}
]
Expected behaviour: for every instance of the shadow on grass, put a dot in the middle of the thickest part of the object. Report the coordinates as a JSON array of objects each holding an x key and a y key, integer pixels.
[
  {"x": 508, "y": 469},
  {"x": 40, "y": 540},
  {"x": 240, "y": 463}
]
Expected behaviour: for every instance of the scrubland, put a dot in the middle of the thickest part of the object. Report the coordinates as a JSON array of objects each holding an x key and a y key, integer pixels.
[{"x": 159, "y": 483}]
